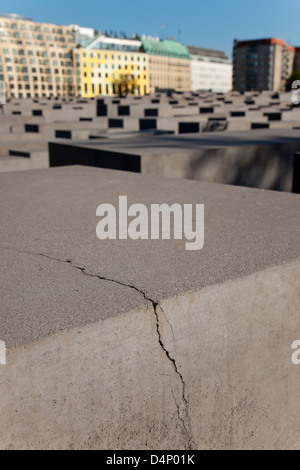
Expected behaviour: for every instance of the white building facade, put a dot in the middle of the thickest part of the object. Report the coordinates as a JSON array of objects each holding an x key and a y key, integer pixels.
[{"x": 210, "y": 70}]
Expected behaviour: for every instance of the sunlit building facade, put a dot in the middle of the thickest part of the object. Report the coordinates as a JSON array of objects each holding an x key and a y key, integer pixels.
[
  {"x": 169, "y": 65},
  {"x": 107, "y": 63},
  {"x": 44, "y": 60},
  {"x": 211, "y": 70},
  {"x": 36, "y": 59}
]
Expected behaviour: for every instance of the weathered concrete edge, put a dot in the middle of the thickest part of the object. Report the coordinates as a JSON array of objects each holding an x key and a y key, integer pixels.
[{"x": 208, "y": 369}]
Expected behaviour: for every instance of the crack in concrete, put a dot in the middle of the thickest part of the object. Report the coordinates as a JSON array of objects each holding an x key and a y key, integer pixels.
[
  {"x": 167, "y": 320},
  {"x": 173, "y": 361},
  {"x": 155, "y": 306},
  {"x": 183, "y": 422}
]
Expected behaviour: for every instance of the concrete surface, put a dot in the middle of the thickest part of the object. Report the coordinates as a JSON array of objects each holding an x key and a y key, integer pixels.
[
  {"x": 262, "y": 158},
  {"x": 136, "y": 345}
]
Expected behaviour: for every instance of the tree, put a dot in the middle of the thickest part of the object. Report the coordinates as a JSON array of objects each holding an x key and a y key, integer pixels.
[
  {"x": 295, "y": 76},
  {"x": 125, "y": 85}
]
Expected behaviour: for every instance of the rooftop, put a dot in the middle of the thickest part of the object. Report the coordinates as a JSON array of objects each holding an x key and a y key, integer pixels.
[
  {"x": 263, "y": 42},
  {"x": 15, "y": 16},
  {"x": 165, "y": 48},
  {"x": 193, "y": 50}
]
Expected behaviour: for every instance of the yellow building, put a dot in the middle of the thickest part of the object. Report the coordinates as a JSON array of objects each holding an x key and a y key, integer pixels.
[
  {"x": 107, "y": 64},
  {"x": 36, "y": 59}
]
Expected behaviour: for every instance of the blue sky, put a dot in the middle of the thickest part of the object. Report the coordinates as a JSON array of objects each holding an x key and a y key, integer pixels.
[{"x": 212, "y": 24}]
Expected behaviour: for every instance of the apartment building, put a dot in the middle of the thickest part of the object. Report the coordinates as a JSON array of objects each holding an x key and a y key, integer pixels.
[
  {"x": 169, "y": 65},
  {"x": 210, "y": 70},
  {"x": 263, "y": 64},
  {"x": 107, "y": 65},
  {"x": 36, "y": 58}
]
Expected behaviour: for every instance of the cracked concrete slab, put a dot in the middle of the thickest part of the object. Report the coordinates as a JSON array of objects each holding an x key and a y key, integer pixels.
[
  {"x": 53, "y": 212},
  {"x": 41, "y": 296},
  {"x": 126, "y": 345}
]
